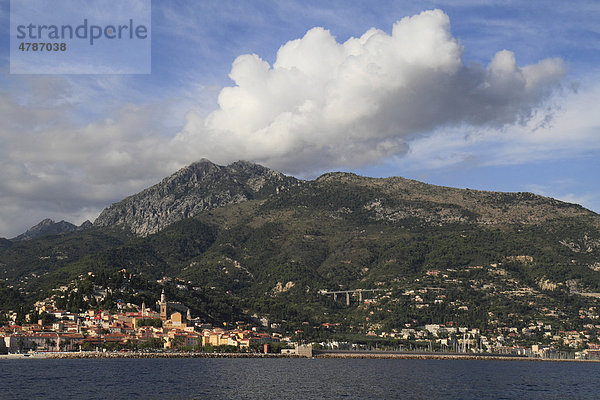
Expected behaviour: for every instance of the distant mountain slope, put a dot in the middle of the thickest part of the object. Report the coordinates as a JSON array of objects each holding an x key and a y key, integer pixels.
[
  {"x": 27, "y": 261},
  {"x": 396, "y": 199},
  {"x": 5, "y": 243},
  {"x": 193, "y": 189},
  {"x": 49, "y": 227}
]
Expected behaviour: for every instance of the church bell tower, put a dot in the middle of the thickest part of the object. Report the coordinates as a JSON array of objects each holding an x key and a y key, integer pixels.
[{"x": 163, "y": 306}]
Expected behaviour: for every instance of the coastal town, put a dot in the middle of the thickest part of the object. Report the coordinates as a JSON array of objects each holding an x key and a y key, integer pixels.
[{"x": 170, "y": 326}]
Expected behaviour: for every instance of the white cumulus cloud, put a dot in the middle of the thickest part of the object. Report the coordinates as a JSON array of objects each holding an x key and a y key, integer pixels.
[{"x": 324, "y": 104}]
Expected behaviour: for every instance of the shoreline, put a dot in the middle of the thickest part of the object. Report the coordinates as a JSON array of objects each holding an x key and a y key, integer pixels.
[{"x": 317, "y": 355}]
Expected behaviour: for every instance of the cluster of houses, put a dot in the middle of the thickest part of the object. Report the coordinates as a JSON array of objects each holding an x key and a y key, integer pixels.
[
  {"x": 171, "y": 327},
  {"x": 505, "y": 340}
]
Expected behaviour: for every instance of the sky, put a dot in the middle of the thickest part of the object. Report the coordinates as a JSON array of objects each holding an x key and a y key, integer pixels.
[{"x": 469, "y": 93}]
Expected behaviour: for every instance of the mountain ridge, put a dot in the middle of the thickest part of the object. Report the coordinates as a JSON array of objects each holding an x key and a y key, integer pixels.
[
  {"x": 203, "y": 186},
  {"x": 200, "y": 186},
  {"x": 48, "y": 227}
]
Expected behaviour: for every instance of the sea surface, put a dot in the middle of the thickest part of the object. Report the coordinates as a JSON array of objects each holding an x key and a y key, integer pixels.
[{"x": 201, "y": 378}]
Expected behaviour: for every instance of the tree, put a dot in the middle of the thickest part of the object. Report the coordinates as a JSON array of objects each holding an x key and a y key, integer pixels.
[{"x": 152, "y": 343}]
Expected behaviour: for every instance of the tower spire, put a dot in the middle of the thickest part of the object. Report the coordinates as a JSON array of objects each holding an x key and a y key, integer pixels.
[{"x": 163, "y": 306}]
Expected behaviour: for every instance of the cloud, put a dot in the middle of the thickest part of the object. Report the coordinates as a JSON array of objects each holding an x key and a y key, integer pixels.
[
  {"x": 324, "y": 104},
  {"x": 53, "y": 165},
  {"x": 565, "y": 130}
]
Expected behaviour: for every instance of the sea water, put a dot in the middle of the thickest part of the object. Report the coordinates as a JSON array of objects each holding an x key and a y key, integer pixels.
[{"x": 254, "y": 378}]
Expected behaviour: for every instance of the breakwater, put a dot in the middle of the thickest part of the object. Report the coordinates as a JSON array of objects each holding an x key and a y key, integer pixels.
[
  {"x": 429, "y": 356},
  {"x": 94, "y": 354},
  {"x": 432, "y": 356}
]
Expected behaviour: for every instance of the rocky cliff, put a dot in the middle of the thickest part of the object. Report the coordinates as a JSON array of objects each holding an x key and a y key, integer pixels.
[{"x": 191, "y": 190}]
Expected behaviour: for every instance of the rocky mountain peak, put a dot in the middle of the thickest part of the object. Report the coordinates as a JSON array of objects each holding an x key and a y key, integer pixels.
[
  {"x": 46, "y": 227},
  {"x": 200, "y": 186},
  {"x": 86, "y": 225}
]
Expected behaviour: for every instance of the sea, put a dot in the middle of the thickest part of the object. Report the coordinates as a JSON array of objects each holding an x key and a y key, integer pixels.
[{"x": 255, "y": 378}]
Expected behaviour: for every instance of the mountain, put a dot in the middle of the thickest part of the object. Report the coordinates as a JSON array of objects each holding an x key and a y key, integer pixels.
[
  {"x": 49, "y": 227},
  {"x": 5, "y": 243},
  {"x": 86, "y": 225},
  {"x": 247, "y": 240},
  {"x": 199, "y": 187},
  {"x": 398, "y": 200}
]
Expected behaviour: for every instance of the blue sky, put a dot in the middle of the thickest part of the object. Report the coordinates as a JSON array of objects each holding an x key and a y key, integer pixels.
[{"x": 479, "y": 94}]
